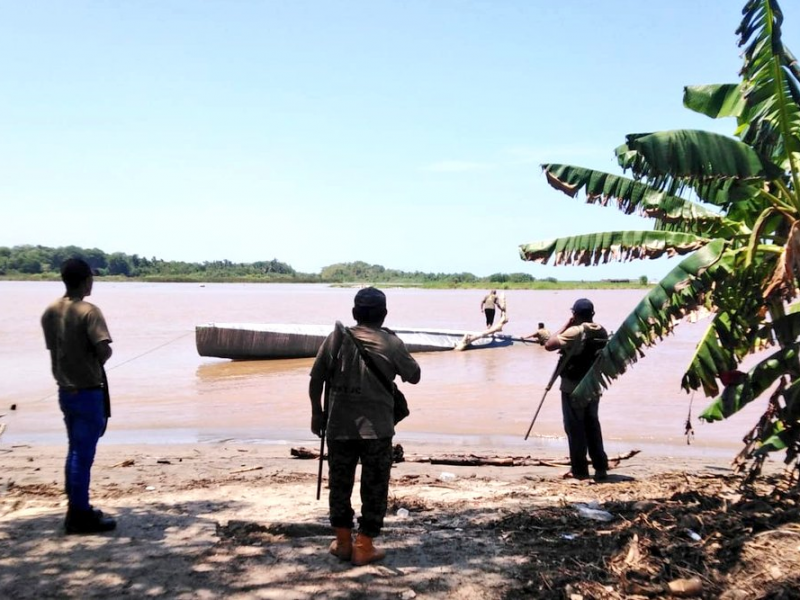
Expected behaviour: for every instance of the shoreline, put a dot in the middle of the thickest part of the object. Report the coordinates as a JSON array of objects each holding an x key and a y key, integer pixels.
[
  {"x": 552, "y": 446},
  {"x": 242, "y": 521},
  {"x": 537, "y": 285}
]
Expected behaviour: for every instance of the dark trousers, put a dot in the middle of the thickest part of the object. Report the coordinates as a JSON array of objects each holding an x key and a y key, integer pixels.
[
  {"x": 489, "y": 312},
  {"x": 376, "y": 468},
  {"x": 84, "y": 416},
  {"x": 582, "y": 426}
]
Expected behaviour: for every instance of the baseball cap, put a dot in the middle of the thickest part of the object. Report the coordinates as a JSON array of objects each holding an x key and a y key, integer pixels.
[
  {"x": 370, "y": 297},
  {"x": 583, "y": 306}
]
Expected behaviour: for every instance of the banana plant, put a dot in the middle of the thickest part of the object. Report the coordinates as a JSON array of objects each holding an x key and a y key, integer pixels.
[{"x": 731, "y": 207}]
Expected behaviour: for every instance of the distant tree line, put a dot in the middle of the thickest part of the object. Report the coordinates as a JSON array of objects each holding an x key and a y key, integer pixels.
[
  {"x": 41, "y": 260},
  {"x": 32, "y": 262}
]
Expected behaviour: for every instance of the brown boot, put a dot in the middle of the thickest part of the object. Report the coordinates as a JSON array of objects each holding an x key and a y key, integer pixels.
[
  {"x": 342, "y": 546},
  {"x": 364, "y": 552}
]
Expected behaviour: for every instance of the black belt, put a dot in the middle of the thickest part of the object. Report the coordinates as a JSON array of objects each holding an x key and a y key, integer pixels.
[{"x": 73, "y": 390}]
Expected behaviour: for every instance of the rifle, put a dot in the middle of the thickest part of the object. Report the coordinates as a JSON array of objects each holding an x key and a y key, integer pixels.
[
  {"x": 556, "y": 373},
  {"x": 338, "y": 330},
  {"x": 106, "y": 400},
  {"x": 562, "y": 362},
  {"x": 325, "y": 395}
]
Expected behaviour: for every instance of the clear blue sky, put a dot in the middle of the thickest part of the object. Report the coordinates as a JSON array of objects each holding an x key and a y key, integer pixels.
[{"x": 404, "y": 133}]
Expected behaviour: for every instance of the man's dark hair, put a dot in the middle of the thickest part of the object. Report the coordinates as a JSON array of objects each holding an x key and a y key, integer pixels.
[
  {"x": 583, "y": 308},
  {"x": 369, "y": 306},
  {"x": 75, "y": 271},
  {"x": 369, "y": 314}
]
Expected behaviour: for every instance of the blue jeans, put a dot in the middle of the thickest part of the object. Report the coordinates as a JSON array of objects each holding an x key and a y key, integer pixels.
[
  {"x": 582, "y": 426},
  {"x": 84, "y": 416}
]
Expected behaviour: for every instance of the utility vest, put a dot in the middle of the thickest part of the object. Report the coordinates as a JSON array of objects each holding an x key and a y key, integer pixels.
[{"x": 578, "y": 365}]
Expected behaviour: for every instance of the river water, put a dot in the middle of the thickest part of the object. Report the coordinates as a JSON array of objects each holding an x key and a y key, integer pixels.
[{"x": 472, "y": 401}]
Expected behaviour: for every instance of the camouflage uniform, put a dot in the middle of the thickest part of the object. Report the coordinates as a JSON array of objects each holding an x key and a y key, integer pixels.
[
  {"x": 376, "y": 466},
  {"x": 360, "y": 423}
]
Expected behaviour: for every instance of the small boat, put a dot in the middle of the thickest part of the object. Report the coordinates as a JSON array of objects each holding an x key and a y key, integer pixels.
[{"x": 253, "y": 341}]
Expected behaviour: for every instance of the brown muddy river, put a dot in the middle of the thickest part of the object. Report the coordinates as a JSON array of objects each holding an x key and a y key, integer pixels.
[{"x": 474, "y": 401}]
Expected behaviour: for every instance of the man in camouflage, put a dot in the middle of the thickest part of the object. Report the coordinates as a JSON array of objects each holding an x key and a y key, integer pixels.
[{"x": 360, "y": 421}]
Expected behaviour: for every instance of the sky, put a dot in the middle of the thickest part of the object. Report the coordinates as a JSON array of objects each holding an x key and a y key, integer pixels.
[{"x": 402, "y": 133}]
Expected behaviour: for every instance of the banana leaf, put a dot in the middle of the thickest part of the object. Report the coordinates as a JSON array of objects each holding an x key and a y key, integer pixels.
[
  {"x": 689, "y": 157},
  {"x": 770, "y": 119},
  {"x": 784, "y": 429},
  {"x": 597, "y": 248},
  {"x": 670, "y": 212},
  {"x": 737, "y": 328},
  {"x": 715, "y": 101},
  {"x": 680, "y": 292},
  {"x": 755, "y": 382}
]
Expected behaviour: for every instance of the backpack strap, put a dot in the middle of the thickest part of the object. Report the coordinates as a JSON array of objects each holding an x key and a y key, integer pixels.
[{"x": 370, "y": 363}]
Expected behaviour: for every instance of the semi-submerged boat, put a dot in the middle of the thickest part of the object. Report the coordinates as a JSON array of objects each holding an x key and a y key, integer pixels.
[{"x": 253, "y": 341}]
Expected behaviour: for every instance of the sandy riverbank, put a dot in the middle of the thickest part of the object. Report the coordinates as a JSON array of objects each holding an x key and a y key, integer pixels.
[{"x": 242, "y": 521}]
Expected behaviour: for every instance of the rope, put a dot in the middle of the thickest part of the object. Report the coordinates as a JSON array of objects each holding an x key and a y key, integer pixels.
[{"x": 183, "y": 335}]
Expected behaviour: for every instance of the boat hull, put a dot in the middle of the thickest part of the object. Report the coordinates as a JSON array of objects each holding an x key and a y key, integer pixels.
[{"x": 245, "y": 341}]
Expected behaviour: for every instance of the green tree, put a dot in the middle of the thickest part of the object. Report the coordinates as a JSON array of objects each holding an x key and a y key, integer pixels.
[
  {"x": 119, "y": 264},
  {"x": 732, "y": 205}
]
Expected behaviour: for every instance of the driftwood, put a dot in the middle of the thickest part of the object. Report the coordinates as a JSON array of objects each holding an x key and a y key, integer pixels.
[
  {"x": 247, "y": 469},
  {"x": 472, "y": 460},
  {"x": 305, "y": 453},
  {"x": 497, "y": 328}
]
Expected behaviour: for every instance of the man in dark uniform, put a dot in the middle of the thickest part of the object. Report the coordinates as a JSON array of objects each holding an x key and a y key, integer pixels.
[
  {"x": 579, "y": 341},
  {"x": 360, "y": 421}
]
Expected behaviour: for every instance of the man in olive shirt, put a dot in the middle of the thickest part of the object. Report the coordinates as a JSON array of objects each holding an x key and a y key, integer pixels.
[
  {"x": 360, "y": 421},
  {"x": 489, "y": 307},
  {"x": 79, "y": 343},
  {"x": 541, "y": 335},
  {"x": 578, "y": 341}
]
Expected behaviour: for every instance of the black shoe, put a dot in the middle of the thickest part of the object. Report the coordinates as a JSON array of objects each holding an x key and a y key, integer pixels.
[
  {"x": 88, "y": 521},
  {"x": 601, "y": 476}
]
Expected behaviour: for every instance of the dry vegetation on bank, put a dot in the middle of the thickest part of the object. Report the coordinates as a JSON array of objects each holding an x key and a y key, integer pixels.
[{"x": 213, "y": 522}]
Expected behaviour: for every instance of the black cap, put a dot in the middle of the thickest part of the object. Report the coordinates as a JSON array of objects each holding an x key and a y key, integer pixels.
[
  {"x": 583, "y": 306},
  {"x": 370, "y": 297}
]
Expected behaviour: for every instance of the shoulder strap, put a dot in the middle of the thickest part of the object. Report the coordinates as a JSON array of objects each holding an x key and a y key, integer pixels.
[
  {"x": 368, "y": 361},
  {"x": 338, "y": 330}
]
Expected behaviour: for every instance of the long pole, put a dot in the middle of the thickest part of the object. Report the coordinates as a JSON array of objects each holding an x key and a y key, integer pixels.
[
  {"x": 547, "y": 389},
  {"x": 338, "y": 330},
  {"x": 555, "y": 375},
  {"x": 322, "y": 438}
]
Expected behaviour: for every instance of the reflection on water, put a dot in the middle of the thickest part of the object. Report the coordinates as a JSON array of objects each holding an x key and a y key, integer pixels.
[
  {"x": 212, "y": 372},
  {"x": 163, "y": 391}
]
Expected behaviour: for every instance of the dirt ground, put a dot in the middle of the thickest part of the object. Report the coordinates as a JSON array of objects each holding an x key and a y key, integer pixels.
[{"x": 213, "y": 521}]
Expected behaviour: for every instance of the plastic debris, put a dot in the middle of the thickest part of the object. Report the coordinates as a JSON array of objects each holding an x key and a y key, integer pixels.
[
  {"x": 445, "y": 476},
  {"x": 402, "y": 513},
  {"x": 593, "y": 513},
  {"x": 686, "y": 587}
]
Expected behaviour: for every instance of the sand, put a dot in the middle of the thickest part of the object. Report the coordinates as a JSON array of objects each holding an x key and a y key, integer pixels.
[{"x": 242, "y": 521}]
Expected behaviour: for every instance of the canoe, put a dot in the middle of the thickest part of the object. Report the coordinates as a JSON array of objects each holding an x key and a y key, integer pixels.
[{"x": 253, "y": 341}]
